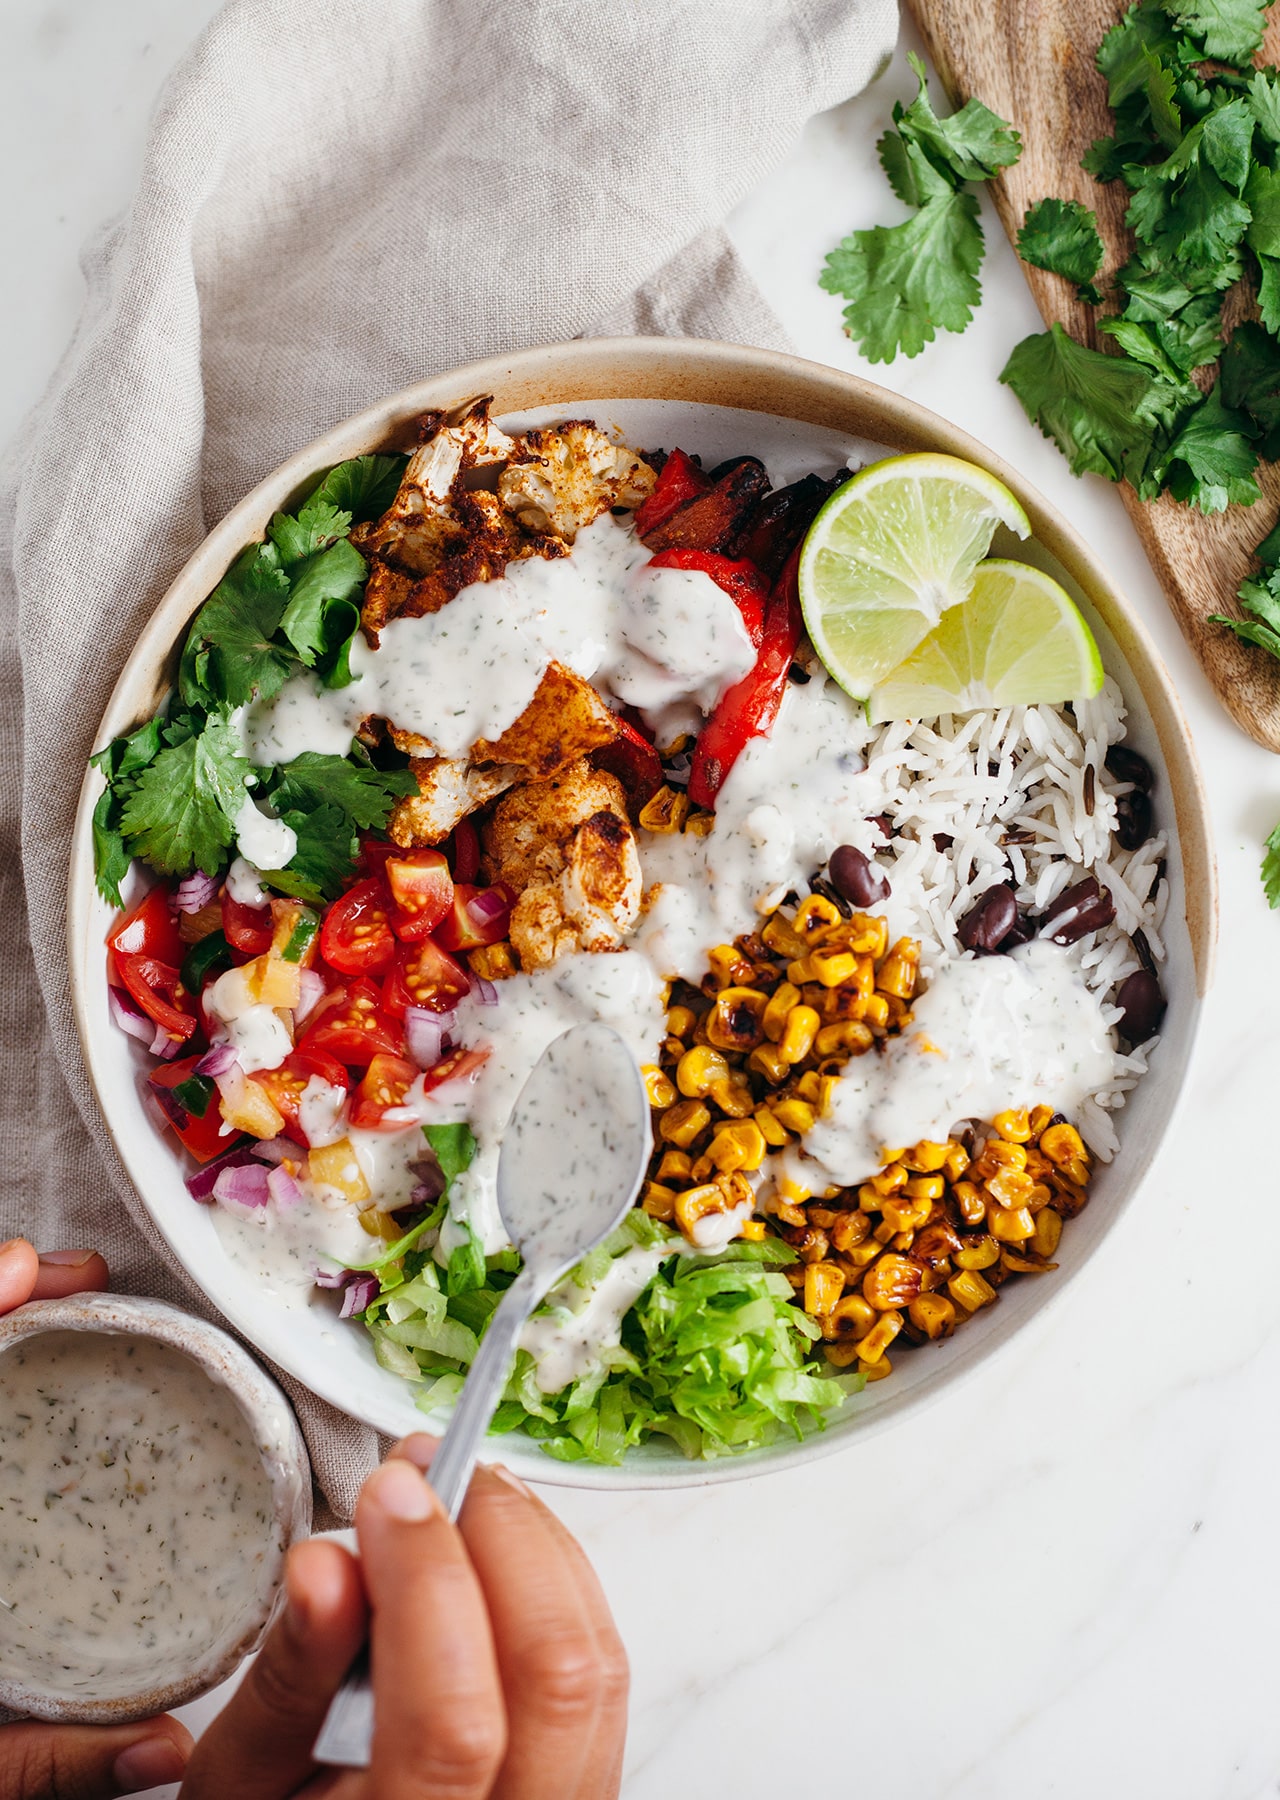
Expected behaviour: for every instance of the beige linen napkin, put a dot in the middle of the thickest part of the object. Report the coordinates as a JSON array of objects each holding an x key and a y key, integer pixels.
[{"x": 337, "y": 199}]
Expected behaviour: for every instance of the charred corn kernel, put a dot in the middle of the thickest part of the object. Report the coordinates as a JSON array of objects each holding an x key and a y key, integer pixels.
[
  {"x": 1020, "y": 1262},
  {"x": 872, "y": 1347},
  {"x": 1039, "y": 1197},
  {"x": 840, "y": 1355},
  {"x": 783, "y": 998},
  {"x": 1061, "y": 1144},
  {"x": 1014, "y": 1126},
  {"x": 1040, "y": 1117},
  {"x": 336, "y": 1166},
  {"x": 753, "y": 1230},
  {"x": 702, "y": 1170},
  {"x": 848, "y": 1034},
  {"x": 658, "y": 1086},
  {"x": 736, "y": 1189},
  {"x": 732, "y": 1094},
  {"x": 1077, "y": 1170},
  {"x": 891, "y": 1282},
  {"x": 700, "y": 824},
  {"x": 831, "y": 965},
  {"x": 739, "y": 1146},
  {"x": 957, "y": 1164},
  {"x": 976, "y": 1253},
  {"x": 728, "y": 965},
  {"x": 681, "y": 1124},
  {"x": 826, "y": 1088},
  {"x": 849, "y": 1229},
  {"x": 379, "y": 1224},
  {"x": 734, "y": 1021},
  {"x": 809, "y": 1087},
  {"x": 658, "y": 1201},
  {"x": 697, "y": 1069},
  {"x": 681, "y": 1020},
  {"x": 1044, "y": 1239},
  {"x": 926, "y": 1157},
  {"x": 876, "y": 1011},
  {"x": 781, "y": 938},
  {"x": 905, "y": 1211},
  {"x": 675, "y": 1166},
  {"x": 696, "y": 1203},
  {"x": 789, "y": 1214},
  {"x": 933, "y": 1314},
  {"x": 969, "y": 1199},
  {"x": 926, "y": 1187},
  {"x": 864, "y": 1254},
  {"x": 822, "y": 1216},
  {"x": 766, "y": 1061},
  {"x": 815, "y": 916},
  {"x": 493, "y": 962},
  {"x": 852, "y": 1317},
  {"x": 869, "y": 1199},
  {"x": 869, "y": 935},
  {"x": 875, "y": 1371},
  {"x": 900, "y": 970},
  {"x": 891, "y": 1179},
  {"x": 796, "y": 1115},
  {"x": 969, "y": 1290},
  {"x": 823, "y": 1286},
  {"x": 800, "y": 970},
  {"x": 885, "y": 1232},
  {"x": 773, "y": 1133},
  {"x": 1011, "y": 1224},
  {"x": 667, "y": 811},
  {"x": 794, "y": 1192},
  {"x": 1010, "y": 1187}
]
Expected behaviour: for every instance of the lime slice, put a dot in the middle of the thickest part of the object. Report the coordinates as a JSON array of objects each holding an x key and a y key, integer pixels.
[
  {"x": 1018, "y": 640},
  {"x": 889, "y": 553}
]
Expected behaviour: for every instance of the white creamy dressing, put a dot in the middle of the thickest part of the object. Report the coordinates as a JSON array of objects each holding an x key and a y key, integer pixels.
[
  {"x": 137, "y": 1530},
  {"x": 281, "y": 1247},
  {"x": 651, "y": 637},
  {"x": 244, "y": 883},
  {"x": 991, "y": 1032},
  {"x": 585, "y": 1323},
  {"x": 261, "y": 840},
  {"x": 257, "y": 1033}
]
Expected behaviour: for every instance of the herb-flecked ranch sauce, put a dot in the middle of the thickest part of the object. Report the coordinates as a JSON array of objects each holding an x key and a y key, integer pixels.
[{"x": 137, "y": 1531}]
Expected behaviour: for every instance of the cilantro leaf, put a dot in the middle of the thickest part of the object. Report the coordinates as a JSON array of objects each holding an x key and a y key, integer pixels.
[
  {"x": 1145, "y": 343},
  {"x": 1228, "y": 29},
  {"x": 365, "y": 486},
  {"x": 1271, "y": 869},
  {"x": 124, "y": 756},
  {"x": 912, "y": 176},
  {"x": 1210, "y": 462},
  {"x": 1100, "y": 410},
  {"x": 326, "y": 853},
  {"x": 1250, "y": 372},
  {"x": 454, "y": 1145},
  {"x": 1264, "y": 102},
  {"x": 179, "y": 814},
  {"x": 906, "y": 282},
  {"x": 1194, "y": 220},
  {"x": 364, "y": 793},
  {"x": 229, "y": 654},
  {"x": 971, "y": 145},
  {"x": 1062, "y": 236},
  {"x": 1125, "y": 53},
  {"x": 324, "y": 576},
  {"x": 110, "y": 857},
  {"x": 317, "y": 525}
]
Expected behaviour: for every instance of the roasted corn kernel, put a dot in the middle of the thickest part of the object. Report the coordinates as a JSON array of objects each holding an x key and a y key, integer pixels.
[
  {"x": 682, "y": 1123},
  {"x": 737, "y": 1146},
  {"x": 968, "y": 1289},
  {"x": 697, "y": 1069},
  {"x": 658, "y": 1086},
  {"x": 872, "y": 1347},
  {"x": 798, "y": 1034}
]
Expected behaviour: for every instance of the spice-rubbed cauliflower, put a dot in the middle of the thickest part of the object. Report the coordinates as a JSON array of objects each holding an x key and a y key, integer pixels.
[
  {"x": 564, "y": 479},
  {"x": 566, "y": 848}
]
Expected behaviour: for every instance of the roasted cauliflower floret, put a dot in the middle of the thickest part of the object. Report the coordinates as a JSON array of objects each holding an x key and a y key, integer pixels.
[
  {"x": 565, "y": 719},
  {"x": 448, "y": 790},
  {"x": 565, "y": 847},
  {"x": 567, "y": 478}
]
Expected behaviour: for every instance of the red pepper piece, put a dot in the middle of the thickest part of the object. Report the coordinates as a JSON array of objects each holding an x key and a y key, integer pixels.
[
  {"x": 751, "y": 705},
  {"x": 633, "y": 759},
  {"x": 681, "y": 479},
  {"x": 781, "y": 520},
  {"x": 717, "y": 519},
  {"x": 741, "y": 580}
]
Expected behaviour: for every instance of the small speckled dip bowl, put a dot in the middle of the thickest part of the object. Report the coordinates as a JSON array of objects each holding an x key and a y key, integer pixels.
[{"x": 202, "y": 1386}]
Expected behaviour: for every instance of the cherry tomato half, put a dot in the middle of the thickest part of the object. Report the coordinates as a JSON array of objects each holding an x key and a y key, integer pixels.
[
  {"x": 468, "y": 926},
  {"x": 247, "y": 928},
  {"x": 149, "y": 929},
  {"x": 356, "y": 937},
  {"x": 422, "y": 889},
  {"x": 423, "y": 975},
  {"x": 157, "y": 988},
  {"x": 349, "y": 1024},
  {"x": 386, "y": 1082},
  {"x": 459, "y": 1065},
  {"x": 202, "y": 1133},
  {"x": 287, "y": 1084}
]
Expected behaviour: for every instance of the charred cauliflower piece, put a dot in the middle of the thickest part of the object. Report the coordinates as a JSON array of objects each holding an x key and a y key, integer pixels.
[
  {"x": 565, "y": 719},
  {"x": 564, "y": 479},
  {"x": 567, "y": 850},
  {"x": 448, "y": 790}
]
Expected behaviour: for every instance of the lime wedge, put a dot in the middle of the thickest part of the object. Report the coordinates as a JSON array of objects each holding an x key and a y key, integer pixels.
[
  {"x": 889, "y": 553},
  {"x": 1018, "y": 640}
]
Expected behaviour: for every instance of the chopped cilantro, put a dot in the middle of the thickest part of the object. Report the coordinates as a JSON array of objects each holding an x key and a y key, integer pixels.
[
  {"x": 323, "y": 578},
  {"x": 454, "y": 1145},
  {"x": 231, "y": 654},
  {"x": 1062, "y": 236},
  {"x": 1271, "y": 869},
  {"x": 1099, "y": 410},
  {"x": 325, "y": 856},
  {"x": 179, "y": 813},
  {"x": 364, "y": 793}
]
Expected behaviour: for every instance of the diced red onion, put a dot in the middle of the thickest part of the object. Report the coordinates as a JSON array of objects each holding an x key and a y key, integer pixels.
[
  {"x": 483, "y": 992},
  {"x": 424, "y": 1033},
  {"x": 312, "y": 991},
  {"x": 151, "y": 1105},
  {"x": 164, "y": 1046},
  {"x": 216, "y": 1061},
  {"x": 169, "y": 1104},
  {"x": 488, "y": 904},
  {"x": 330, "y": 1278},
  {"x": 282, "y": 1187},
  {"x": 200, "y": 1185},
  {"x": 678, "y": 770},
  {"x": 431, "y": 1182},
  {"x": 194, "y": 892},
  {"x": 129, "y": 1017},
  {"x": 276, "y": 1150},
  {"x": 359, "y": 1293},
  {"x": 242, "y": 1186}
]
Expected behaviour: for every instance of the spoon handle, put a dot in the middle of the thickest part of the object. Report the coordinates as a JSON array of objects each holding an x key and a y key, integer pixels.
[{"x": 346, "y": 1737}]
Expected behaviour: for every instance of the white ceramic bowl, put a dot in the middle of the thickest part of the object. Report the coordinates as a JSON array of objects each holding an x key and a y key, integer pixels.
[
  {"x": 719, "y": 400},
  {"x": 134, "y": 1688}
]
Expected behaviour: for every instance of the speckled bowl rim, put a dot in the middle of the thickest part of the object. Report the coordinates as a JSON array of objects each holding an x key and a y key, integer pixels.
[
  {"x": 788, "y": 388},
  {"x": 283, "y": 1452}
]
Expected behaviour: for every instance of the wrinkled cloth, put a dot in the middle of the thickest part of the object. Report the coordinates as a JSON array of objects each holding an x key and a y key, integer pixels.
[{"x": 337, "y": 200}]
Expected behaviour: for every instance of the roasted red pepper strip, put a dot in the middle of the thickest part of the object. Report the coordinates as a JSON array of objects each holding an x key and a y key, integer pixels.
[
  {"x": 741, "y": 580},
  {"x": 633, "y": 759},
  {"x": 751, "y": 705},
  {"x": 681, "y": 479}
]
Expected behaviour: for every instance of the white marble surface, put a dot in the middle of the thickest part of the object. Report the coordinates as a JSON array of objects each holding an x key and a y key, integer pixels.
[{"x": 1063, "y": 1580}]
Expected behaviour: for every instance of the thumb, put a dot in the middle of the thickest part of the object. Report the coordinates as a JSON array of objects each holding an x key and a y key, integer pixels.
[{"x": 90, "y": 1762}]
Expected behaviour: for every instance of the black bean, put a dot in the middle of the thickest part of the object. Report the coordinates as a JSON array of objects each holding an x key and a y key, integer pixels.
[
  {"x": 797, "y": 676},
  {"x": 942, "y": 840},
  {"x": 1142, "y": 950},
  {"x": 1133, "y": 819},
  {"x": 818, "y": 884},
  {"x": 1090, "y": 786},
  {"x": 883, "y": 824},
  {"x": 1078, "y": 910},
  {"x": 1127, "y": 765},
  {"x": 989, "y": 921},
  {"x": 1143, "y": 1005},
  {"x": 857, "y": 877},
  {"x": 1021, "y": 934}
]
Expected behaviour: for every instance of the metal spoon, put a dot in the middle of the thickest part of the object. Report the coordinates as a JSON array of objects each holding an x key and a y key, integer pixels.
[{"x": 573, "y": 1157}]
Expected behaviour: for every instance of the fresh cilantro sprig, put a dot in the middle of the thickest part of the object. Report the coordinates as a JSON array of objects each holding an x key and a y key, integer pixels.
[
  {"x": 177, "y": 785},
  {"x": 906, "y": 282}
]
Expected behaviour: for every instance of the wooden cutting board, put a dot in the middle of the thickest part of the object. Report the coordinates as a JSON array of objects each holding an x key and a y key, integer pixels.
[{"x": 1032, "y": 61}]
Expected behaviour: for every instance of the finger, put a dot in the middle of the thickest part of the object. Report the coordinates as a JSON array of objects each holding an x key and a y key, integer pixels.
[
  {"x": 439, "y": 1724},
  {"x": 90, "y": 1762},
  {"x": 259, "y": 1748},
  {"x": 564, "y": 1673},
  {"x": 18, "y": 1270},
  {"x": 63, "y": 1272}
]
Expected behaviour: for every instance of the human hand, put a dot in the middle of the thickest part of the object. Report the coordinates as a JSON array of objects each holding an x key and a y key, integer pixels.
[
  {"x": 498, "y": 1673},
  {"x": 89, "y": 1762}
]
